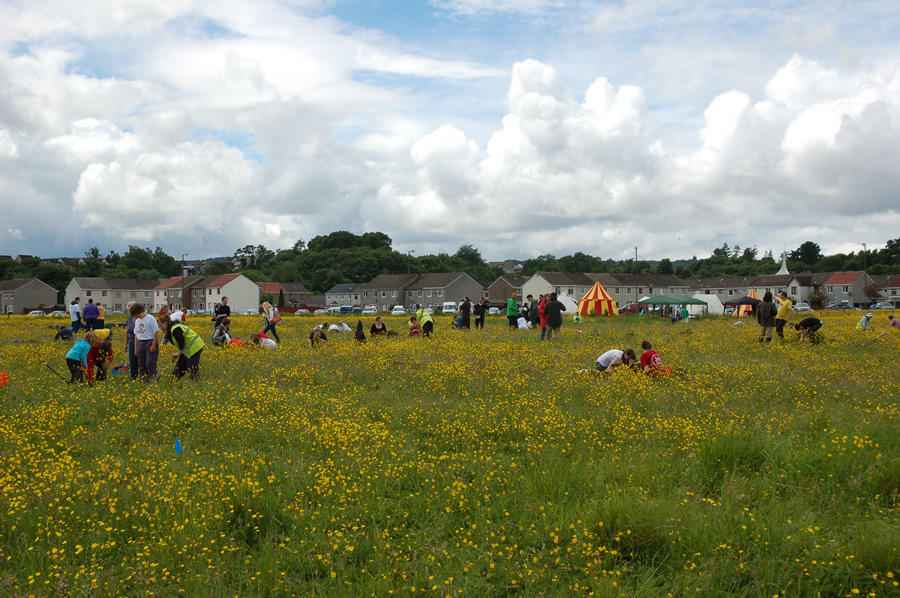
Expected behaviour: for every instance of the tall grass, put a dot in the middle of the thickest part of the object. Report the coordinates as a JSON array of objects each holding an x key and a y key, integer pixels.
[{"x": 476, "y": 463}]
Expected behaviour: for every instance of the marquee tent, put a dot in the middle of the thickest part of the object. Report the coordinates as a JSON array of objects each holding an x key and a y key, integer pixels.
[
  {"x": 597, "y": 302},
  {"x": 744, "y": 306}
]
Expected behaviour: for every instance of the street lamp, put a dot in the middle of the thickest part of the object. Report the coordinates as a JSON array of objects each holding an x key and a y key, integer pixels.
[{"x": 183, "y": 255}]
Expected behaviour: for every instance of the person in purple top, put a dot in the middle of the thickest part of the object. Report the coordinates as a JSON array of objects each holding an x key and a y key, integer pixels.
[{"x": 91, "y": 313}]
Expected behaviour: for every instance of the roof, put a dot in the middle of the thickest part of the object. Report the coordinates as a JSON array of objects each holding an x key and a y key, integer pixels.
[
  {"x": 515, "y": 282},
  {"x": 294, "y": 287},
  {"x": 773, "y": 280},
  {"x": 894, "y": 282},
  {"x": 175, "y": 282},
  {"x": 565, "y": 278},
  {"x": 16, "y": 284},
  {"x": 129, "y": 284},
  {"x": 343, "y": 288},
  {"x": 270, "y": 287},
  {"x": 648, "y": 280},
  {"x": 844, "y": 277},
  {"x": 437, "y": 280},
  {"x": 390, "y": 281},
  {"x": 221, "y": 281}
]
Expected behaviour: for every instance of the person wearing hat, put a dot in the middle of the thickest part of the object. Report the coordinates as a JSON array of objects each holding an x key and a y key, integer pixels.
[{"x": 864, "y": 323}]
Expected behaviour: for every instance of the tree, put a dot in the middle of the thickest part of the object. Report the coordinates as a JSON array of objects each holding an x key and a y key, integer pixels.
[
  {"x": 216, "y": 268},
  {"x": 165, "y": 263},
  {"x": 749, "y": 254},
  {"x": 299, "y": 247},
  {"x": 136, "y": 258},
  {"x": 253, "y": 256},
  {"x": 376, "y": 240},
  {"x": 664, "y": 266},
  {"x": 469, "y": 255},
  {"x": 280, "y": 297},
  {"x": 808, "y": 253}
]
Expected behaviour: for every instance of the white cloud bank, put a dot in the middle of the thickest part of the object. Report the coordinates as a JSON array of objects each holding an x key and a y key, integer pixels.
[{"x": 274, "y": 126}]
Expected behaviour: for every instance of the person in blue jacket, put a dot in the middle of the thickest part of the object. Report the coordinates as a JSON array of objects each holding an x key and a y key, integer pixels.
[{"x": 76, "y": 358}]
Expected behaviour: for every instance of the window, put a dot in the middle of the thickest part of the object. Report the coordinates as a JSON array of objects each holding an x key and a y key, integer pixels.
[
  {"x": 671, "y": 291},
  {"x": 366, "y": 294},
  {"x": 118, "y": 294},
  {"x": 730, "y": 292},
  {"x": 103, "y": 293},
  {"x": 429, "y": 293},
  {"x": 628, "y": 291},
  {"x": 146, "y": 294},
  {"x": 440, "y": 292},
  {"x": 87, "y": 293},
  {"x": 393, "y": 294},
  {"x": 662, "y": 291},
  {"x": 571, "y": 291},
  {"x": 420, "y": 292},
  {"x": 893, "y": 291},
  {"x": 384, "y": 293},
  {"x": 640, "y": 290},
  {"x": 617, "y": 290},
  {"x": 133, "y": 294},
  {"x": 829, "y": 289},
  {"x": 846, "y": 289},
  {"x": 219, "y": 291},
  {"x": 793, "y": 290}
]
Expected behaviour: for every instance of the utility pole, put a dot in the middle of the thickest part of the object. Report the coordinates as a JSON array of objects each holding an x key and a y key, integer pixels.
[{"x": 183, "y": 255}]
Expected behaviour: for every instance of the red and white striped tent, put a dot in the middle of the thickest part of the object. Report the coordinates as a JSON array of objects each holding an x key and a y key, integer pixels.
[
  {"x": 597, "y": 301},
  {"x": 745, "y": 310}
]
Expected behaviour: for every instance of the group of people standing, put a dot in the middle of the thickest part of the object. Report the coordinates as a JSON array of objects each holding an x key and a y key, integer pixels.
[
  {"x": 544, "y": 312},
  {"x": 94, "y": 315}
]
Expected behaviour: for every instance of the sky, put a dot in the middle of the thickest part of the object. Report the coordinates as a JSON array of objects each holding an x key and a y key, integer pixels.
[{"x": 520, "y": 127}]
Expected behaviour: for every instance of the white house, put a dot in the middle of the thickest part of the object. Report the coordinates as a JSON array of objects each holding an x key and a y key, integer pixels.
[{"x": 243, "y": 293}]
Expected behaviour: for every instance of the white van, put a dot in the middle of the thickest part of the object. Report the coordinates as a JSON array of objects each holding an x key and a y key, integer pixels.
[
  {"x": 370, "y": 310},
  {"x": 449, "y": 307}
]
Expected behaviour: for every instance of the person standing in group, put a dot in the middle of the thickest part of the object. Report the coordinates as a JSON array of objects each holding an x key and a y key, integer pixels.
[
  {"x": 554, "y": 308},
  {"x": 91, "y": 313},
  {"x": 75, "y": 315},
  {"x": 784, "y": 314},
  {"x": 272, "y": 318},
  {"x": 534, "y": 312},
  {"x": 146, "y": 342},
  {"x": 222, "y": 311},
  {"x": 425, "y": 321},
  {"x": 512, "y": 312},
  {"x": 101, "y": 319},
  {"x": 481, "y": 309},
  {"x": 765, "y": 316},
  {"x": 542, "y": 315},
  {"x": 465, "y": 310},
  {"x": 130, "y": 344},
  {"x": 189, "y": 345}
]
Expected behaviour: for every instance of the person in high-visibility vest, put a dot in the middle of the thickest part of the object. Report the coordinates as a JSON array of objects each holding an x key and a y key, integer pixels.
[{"x": 189, "y": 345}]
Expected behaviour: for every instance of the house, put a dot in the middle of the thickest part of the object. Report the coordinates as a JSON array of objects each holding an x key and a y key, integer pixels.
[
  {"x": 773, "y": 283},
  {"x": 243, "y": 293},
  {"x": 847, "y": 287},
  {"x": 432, "y": 290},
  {"x": 505, "y": 287},
  {"x": 22, "y": 295},
  {"x": 343, "y": 295},
  {"x": 508, "y": 266},
  {"x": 891, "y": 290},
  {"x": 801, "y": 286},
  {"x": 295, "y": 294},
  {"x": 112, "y": 293},
  {"x": 725, "y": 287},
  {"x": 171, "y": 292},
  {"x": 386, "y": 290},
  {"x": 573, "y": 284},
  {"x": 628, "y": 288}
]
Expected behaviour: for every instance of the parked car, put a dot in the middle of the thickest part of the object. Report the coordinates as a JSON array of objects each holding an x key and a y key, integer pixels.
[
  {"x": 191, "y": 312},
  {"x": 398, "y": 310},
  {"x": 493, "y": 311},
  {"x": 801, "y": 307},
  {"x": 301, "y": 312},
  {"x": 449, "y": 307},
  {"x": 841, "y": 306},
  {"x": 882, "y": 305},
  {"x": 370, "y": 310},
  {"x": 631, "y": 308},
  {"x": 335, "y": 309},
  {"x": 252, "y": 312},
  {"x": 37, "y": 312},
  {"x": 58, "y": 314}
]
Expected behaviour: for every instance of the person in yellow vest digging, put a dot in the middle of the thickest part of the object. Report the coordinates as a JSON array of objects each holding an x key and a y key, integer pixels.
[{"x": 189, "y": 345}]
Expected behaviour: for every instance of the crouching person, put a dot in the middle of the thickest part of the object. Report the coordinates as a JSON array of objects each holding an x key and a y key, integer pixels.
[
  {"x": 77, "y": 357},
  {"x": 189, "y": 345}
]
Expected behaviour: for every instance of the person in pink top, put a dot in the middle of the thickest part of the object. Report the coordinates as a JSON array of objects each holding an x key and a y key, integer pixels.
[{"x": 542, "y": 301}]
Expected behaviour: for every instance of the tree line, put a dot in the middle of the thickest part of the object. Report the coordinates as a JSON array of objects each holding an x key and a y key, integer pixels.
[{"x": 342, "y": 257}]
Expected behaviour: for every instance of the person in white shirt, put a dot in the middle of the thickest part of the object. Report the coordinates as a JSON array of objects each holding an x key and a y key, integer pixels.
[
  {"x": 75, "y": 315},
  {"x": 146, "y": 342}
]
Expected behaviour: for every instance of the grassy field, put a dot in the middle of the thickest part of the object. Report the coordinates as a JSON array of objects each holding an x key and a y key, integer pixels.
[{"x": 470, "y": 464}]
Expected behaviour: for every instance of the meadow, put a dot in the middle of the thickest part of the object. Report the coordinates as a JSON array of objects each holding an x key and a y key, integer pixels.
[{"x": 475, "y": 463}]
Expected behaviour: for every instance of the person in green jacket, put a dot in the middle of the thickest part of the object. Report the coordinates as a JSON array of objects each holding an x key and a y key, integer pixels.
[
  {"x": 512, "y": 312},
  {"x": 189, "y": 345},
  {"x": 425, "y": 321}
]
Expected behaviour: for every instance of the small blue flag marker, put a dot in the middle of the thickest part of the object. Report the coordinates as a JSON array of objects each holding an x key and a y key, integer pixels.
[{"x": 177, "y": 445}]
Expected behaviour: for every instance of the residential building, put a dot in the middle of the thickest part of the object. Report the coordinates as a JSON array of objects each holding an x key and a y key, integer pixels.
[
  {"x": 113, "y": 293},
  {"x": 432, "y": 290},
  {"x": 345, "y": 295},
  {"x": 847, "y": 287},
  {"x": 386, "y": 290},
  {"x": 181, "y": 292},
  {"x": 21, "y": 295},
  {"x": 505, "y": 287},
  {"x": 573, "y": 284},
  {"x": 243, "y": 293},
  {"x": 508, "y": 266},
  {"x": 295, "y": 294},
  {"x": 801, "y": 286},
  {"x": 629, "y": 288}
]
